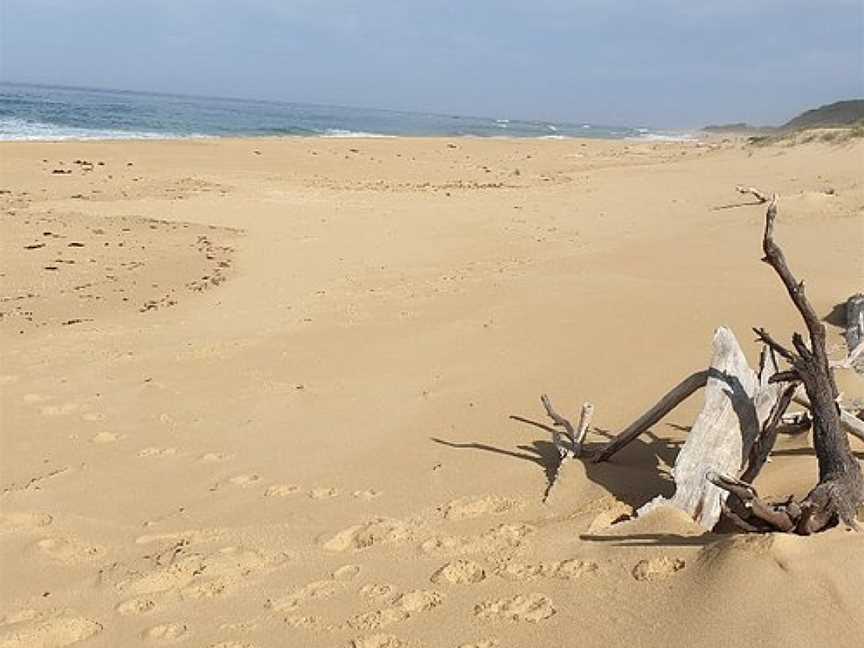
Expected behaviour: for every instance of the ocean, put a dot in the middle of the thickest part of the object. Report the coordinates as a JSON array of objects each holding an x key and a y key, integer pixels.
[{"x": 31, "y": 112}]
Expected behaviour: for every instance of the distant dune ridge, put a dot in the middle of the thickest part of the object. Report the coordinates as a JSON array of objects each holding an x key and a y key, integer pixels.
[{"x": 849, "y": 112}]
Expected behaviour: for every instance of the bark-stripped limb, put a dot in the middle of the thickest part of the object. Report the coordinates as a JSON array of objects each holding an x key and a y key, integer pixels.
[
  {"x": 576, "y": 437},
  {"x": 661, "y": 408},
  {"x": 758, "y": 195},
  {"x": 777, "y": 517}
]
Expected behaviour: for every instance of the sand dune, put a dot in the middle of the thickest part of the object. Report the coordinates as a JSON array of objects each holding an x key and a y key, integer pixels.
[{"x": 257, "y": 394}]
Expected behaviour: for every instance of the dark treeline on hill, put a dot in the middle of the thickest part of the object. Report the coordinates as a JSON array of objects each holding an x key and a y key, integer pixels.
[{"x": 839, "y": 113}]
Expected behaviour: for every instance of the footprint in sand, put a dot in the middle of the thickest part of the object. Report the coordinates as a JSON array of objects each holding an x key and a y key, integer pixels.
[
  {"x": 215, "y": 457},
  {"x": 106, "y": 437},
  {"x": 23, "y": 521},
  {"x": 242, "y": 481},
  {"x": 346, "y": 573},
  {"x": 157, "y": 452},
  {"x": 484, "y": 643},
  {"x": 185, "y": 537},
  {"x": 501, "y": 538},
  {"x": 323, "y": 493},
  {"x": 459, "y": 572},
  {"x": 183, "y": 574},
  {"x": 377, "y": 641},
  {"x": 136, "y": 606},
  {"x": 564, "y": 569},
  {"x": 59, "y": 410},
  {"x": 472, "y": 507},
  {"x": 29, "y": 628},
  {"x": 281, "y": 490},
  {"x": 363, "y": 536},
  {"x": 367, "y": 495},
  {"x": 378, "y": 591},
  {"x": 166, "y": 632},
  {"x": 376, "y": 620},
  {"x": 315, "y": 590},
  {"x": 657, "y": 568},
  {"x": 69, "y": 551},
  {"x": 419, "y": 600},
  {"x": 93, "y": 417},
  {"x": 403, "y": 607},
  {"x": 308, "y": 623},
  {"x": 531, "y": 608}
]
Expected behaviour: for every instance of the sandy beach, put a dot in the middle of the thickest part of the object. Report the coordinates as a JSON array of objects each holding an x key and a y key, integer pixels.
[{"x": 258, "y": 393}]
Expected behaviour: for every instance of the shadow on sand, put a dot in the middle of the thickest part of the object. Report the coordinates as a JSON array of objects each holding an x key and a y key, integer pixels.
[{"x": 636, "y": 475}]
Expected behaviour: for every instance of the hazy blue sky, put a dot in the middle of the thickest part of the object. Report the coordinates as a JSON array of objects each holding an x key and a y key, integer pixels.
[{"x": 652, "y": 62}]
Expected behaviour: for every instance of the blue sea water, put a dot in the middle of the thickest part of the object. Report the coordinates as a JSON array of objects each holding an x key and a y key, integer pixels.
[{"x": 30, "y": 112}]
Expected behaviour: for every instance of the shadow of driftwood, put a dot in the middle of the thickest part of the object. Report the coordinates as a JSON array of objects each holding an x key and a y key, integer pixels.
[
  {"x": 651, "y": 539},
  {"x": 636, "y": 476},
  {"x": 738, "y": 204},
  {"x": 806, "y": 452},
  {"x": 638, "y": 472},
  {"x": 837, "y": 316},
  {"x": 542, "y": 453}
]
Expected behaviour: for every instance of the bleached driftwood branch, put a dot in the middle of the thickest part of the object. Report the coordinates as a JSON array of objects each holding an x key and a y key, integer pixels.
[
  {"x": 753, "y": 191},
  {"x": 575, "y": 437},
  {"x": 674, "y": 397}
]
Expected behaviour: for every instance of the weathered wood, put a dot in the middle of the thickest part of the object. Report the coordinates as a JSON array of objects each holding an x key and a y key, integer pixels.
[
  {"x": 674, "y": 397},
  {"x": 768, "y": 437},
  {"x": 850, "y": 423},
  {"x": 777, "y": 517},
  {"x": 854, "y": 322},
  {"x": 584, "y": 423},
  {"x": 737, "y": 402},
  {"x": 576, "y": 438},
  {"x": 559, "y": 421},
  {"x": 854, "y": 335},
  {"x": 758, "y": 195},
  {"x": 839, "y": 492}
]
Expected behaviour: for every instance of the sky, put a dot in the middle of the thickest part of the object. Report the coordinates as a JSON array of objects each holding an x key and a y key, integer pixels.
[{"x": 659, "y": 63}]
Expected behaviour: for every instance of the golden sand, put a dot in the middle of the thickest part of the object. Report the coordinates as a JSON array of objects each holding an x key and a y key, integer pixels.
[{"x": 256, "y": 394}]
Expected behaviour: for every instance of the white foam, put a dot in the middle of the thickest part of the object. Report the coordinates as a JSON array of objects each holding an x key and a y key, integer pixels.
[
  {"x": 339, "y": 132},
  {"x": 20, "y": 130},
  {"x": 664, "y": 137}
]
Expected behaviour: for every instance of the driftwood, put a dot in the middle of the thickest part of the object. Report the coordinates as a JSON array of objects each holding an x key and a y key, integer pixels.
[
  {"x": 737, "y": 403},
  {"x": 848, "y": 422},
  {"x": 855, "y": 322},
  {"x": 575, "y": 437},
  {"x": 758, "y": 195},
  {"x": 854, "y": 335},
  {"x": 744, "y": 412},
  {"x": 672, "y": 399},
  {"x": 839, "y": 492},
  {"x": 693, "y": 383}
]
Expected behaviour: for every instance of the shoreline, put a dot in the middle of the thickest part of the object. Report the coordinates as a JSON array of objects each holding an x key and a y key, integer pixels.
[{"x": 687, "y": 136}]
